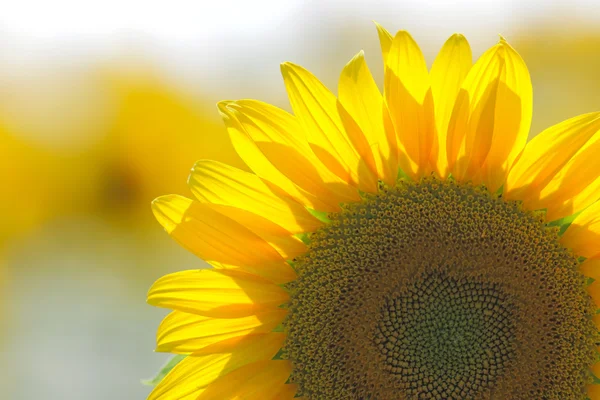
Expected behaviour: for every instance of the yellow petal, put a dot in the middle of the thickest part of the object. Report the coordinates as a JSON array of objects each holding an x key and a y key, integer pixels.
[
  {"x": 195, "y": 372},
  {"x": 546, "y": 155},
  {"x": 286, "y": 244},
  {"x": 591, "y": 267},
  {"x": 410, "y": 102},
  {"x": 594, "y": 291},
  {"x": 491, "y": 118},
  {"x": 213, "y": 236},
  {"x": 566, "y": 204},
  {"x": 288, "y": 391},
  {"x": 272, "y": 144},
  {"x": 346, "y": 153},
  {"x": 262, "y": 380},
  {"x": 218, "y": 293},
  {"x": 218, "y": 183},
  {"x": 385, "y": 40},
  {"x": 447, "y": 75},
  {"x": 577, "y": 184},
  {"x": 596, "y": 320},
  {"x": 593, "y": 392},
  {"x": 185, "y": 333},
  {"x": 359, "y": 95},
  {"x": 262, "y": 166},
  {"x": 596, "y": 369},
  {"x": 583, "y": 235}
]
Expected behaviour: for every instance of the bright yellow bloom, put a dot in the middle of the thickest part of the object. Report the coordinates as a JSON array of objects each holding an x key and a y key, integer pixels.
[{"x": 410, "y": 245}]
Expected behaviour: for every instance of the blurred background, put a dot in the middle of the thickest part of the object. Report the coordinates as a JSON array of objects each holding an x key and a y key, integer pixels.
[{"x": 106, "y": 105}]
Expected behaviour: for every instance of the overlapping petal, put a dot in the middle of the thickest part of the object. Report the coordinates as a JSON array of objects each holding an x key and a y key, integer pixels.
[
  {"x": 257, "y": 205},
  {"x": 218, "y": 183},
  {"x": 547, "y": 153},
  {"x": 576, "y": 184},
  {"x": 591, "y": 267},
  {"x": 408, "y": 95},
  {"x": 596, "y": 369},
  {"x": 594, "y": 291},
  {"x": 218, "y": 293},
  {"x": 448, "y": 73},
  {"x": 185, "y": 333},
  {"x": 288, "y": 391},
  {"x": 329, "y": 129},
  {"x": 193, "y": 374},
  {"x": 272, "y": 144},
  {"x": 262, "y": 380},
  {"x": 491, "y": 118},
  {"x": 593, "y": 392},
  {"x": 557, "y": 167},
  {"x": 287, "y": 245},
  {"x": 360, "y": 96},
  {"x": 583, "y": 235},
  {"x": 385, "y": 40},
  {"x": 213, "y": 236}
]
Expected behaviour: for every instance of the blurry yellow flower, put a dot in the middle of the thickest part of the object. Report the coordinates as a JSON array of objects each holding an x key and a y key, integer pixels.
[
  {"x": 157, "y": 133},
  {"x": 399, "y": 246},
  {"x": 60, "y": 158},
  {"x": 36, "y": 184}
]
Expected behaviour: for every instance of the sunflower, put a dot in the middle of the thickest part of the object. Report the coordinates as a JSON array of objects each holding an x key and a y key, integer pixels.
[{"x": 406, "y": 246}]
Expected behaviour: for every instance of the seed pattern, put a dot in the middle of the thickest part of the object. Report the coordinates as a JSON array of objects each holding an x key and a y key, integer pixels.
[
  {"x": 438, "y": 324},
  {"x": 439, "y": 290}
]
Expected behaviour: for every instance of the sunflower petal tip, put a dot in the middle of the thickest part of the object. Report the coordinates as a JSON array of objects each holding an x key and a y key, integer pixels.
[
  {"x": 357, "y": 58},
  {"x": 157, "y": 207},
  {"x": 458, "y": 40},
  {"x": 168, "y": 210},
  {"x": 161, "y": 348},
  {"x": 222, "y": 106},
  {"x": 151, "y": 302},
  {"x": 158, "y": 201},
  {"x": 150, "y": 299},
  {"x": 285, "y": 68},
  {"x": 198, "y": 164},
  {"x": 385, "y": 38}
]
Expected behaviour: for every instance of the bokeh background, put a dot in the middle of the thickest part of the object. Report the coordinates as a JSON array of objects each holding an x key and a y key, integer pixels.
[{"x": 106, "y": 105}]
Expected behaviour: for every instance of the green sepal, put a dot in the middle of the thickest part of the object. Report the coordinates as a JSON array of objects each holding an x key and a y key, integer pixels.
[
  {"x": 165, "y": 369},
  {"x": 403, "y": 175},
  {"x": 304, "y": 237},
  {"x": 320, "y": 215},
  {"x": 564, "y": 223}
]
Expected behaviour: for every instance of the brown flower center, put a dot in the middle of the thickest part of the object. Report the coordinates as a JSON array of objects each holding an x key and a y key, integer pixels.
[{"x": 439, "y": 290}]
